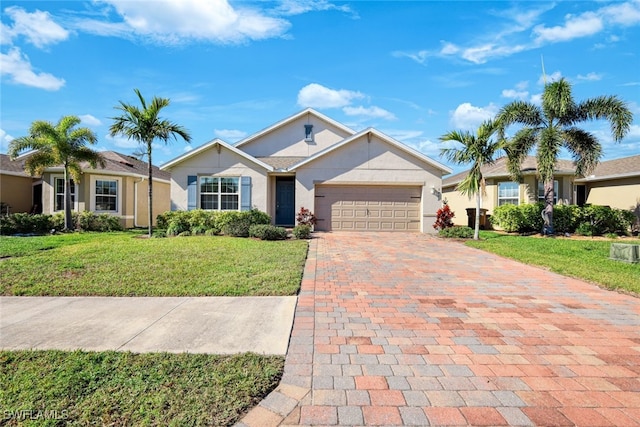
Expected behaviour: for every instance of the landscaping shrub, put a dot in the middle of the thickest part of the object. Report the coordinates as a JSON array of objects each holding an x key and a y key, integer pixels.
[
  {"x": 566, "y": 218},
  {"x": 532, "y": 217},
  {"x": 212, "y": 232},
  {"x": 89, "y": 221},
  {"x": 508, "y": 217},
  {"x": 23, "y": 223},
  {"x": 201, "y": 218},
  {"x": 198, "y": 230},
  {"x": 444, "y": 217},
  {"x": 459, "y": 232},
  {"x": 159, "y": 234},
  {"x": 236, "y": 224},
  {"x": 589, "y": 220},
  {"x": 306, "y": 217},
  {"x": 257, "y": 217},
  {"x": 178, "y": 223},
  {"x": 185, "y": 234},
  {"x": 267, "y": 232},
  {"x": 302, "y": 231}
]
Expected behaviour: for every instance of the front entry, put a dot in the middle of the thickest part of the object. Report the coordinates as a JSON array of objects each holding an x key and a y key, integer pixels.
[{"x": 285, "y": 201}]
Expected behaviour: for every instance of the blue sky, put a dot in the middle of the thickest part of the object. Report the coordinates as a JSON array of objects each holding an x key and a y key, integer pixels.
[{"x": 412, "y": 69}]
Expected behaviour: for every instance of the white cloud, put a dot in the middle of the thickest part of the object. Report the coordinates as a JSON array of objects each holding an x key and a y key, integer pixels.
[
  {"x": 17, "y": 67},
  {"x": 178, "y": 21},
  {"x": 587, "y": 24},
  {"x": 469, "y": 117},
  {"x": 5, "y": 139},
  {"x": 38, "y": 27},
  {"x": 122, "y": 142},
  {"x": 229, "y": 134},
  {"x": 375, "y": 112},
  {"x": 590, "y": 77},
  {"x": 187, "y": 148},
  {"x": 317, "y": 96},
  {"x": 483, "y": 53},
  {"x": 515, "y": 94},
  {"x": 548, "y": 78},
  {"x": 420, "y": 57},
  {"x": 625, "y": 14},
  {"x": 90, "y": 120},
  {"x": 403, "y": 135},
  {"x": 297, "y": 7},
  {"x": 536, "y": 99}
]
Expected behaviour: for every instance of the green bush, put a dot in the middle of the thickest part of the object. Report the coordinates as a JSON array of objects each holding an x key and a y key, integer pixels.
[
  {"x": 159, "y": 234},
  {"x": 199, "y": 230},
  {"x": 531, "y": 217},
  {"x": 178, "y": 223},
  {"x": 236, "y": 224},
  {"x": 23, "y": 223},
  {"x": 604, "y": 219},
  {"x": 185, "y": 234},
  {"x": 302, "y": 231},
  {"x": 456, "y": 231},
  {"x": 237, "y": 228},
  {"x": 508, "y": 217},
  {"x": 584, "y": 229},
  {"x": 566, "y": 218},
  {"x": 212, "y": 232},
  {"x": 267, "y": 232},
  {"x": 201, "y": 218}
]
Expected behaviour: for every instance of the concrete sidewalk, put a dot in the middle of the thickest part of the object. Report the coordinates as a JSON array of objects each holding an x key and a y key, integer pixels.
[{"x": 217, "y": 325}]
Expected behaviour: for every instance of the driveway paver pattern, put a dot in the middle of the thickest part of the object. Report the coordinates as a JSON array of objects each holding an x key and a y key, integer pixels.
[{"x": 407, "y": 329}]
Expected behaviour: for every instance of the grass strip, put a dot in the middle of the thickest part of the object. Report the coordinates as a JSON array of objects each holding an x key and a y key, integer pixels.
[
  {"x": 116, "y": 388},
  {"x": 586, "y": 259},
  {"x": 123, "y": 264}
]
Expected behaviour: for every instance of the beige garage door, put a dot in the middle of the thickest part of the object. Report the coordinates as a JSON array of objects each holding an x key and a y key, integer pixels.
[{"x": 368, "y": 208}]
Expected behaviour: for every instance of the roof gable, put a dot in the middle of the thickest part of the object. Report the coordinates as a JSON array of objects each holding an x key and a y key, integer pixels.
[
  {"x": 383, "y": 137},
  {"x": 210, "y": 145},
  {"x": 309, "y": 112}
]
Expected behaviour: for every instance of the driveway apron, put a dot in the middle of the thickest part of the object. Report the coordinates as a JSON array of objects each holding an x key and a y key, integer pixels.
[{"x": 407, "y": 329}]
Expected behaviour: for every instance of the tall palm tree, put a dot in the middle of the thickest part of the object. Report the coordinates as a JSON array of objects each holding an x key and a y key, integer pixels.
[
  {"x": 59, "y": 144},
  {"x": 144, "y": 125},
  {"x": 553, "y": 126},
  {"x": 477, "y": 150}
]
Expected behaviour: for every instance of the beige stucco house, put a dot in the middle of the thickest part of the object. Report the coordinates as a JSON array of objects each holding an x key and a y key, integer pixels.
[
  {"x": 614, "y": 183},
  {"x": 350, "y": 180},
  {"x": 119, "y": 189}
]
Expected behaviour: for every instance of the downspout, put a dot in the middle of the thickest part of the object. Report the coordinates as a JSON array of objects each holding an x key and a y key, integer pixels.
[{"x": 135, "y": 201}]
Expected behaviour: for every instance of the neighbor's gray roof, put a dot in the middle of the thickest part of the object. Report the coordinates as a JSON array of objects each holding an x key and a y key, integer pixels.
[
  {"x": 114, "y": 162},
  {"x": 281, "y": 162},
  {"x": 613, "y": 169},
  {"x": 13, "y": 167},
  {"x": 499, "y": 169}
]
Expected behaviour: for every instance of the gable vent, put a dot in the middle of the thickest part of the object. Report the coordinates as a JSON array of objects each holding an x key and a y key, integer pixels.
[{"x": 308, "y": 133}]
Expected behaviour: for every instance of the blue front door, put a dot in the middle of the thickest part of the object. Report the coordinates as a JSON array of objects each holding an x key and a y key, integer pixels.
[{"x": 285, "y": 201}]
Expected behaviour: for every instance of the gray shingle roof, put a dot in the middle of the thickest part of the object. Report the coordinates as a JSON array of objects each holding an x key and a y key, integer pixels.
[
  {"x": 281, "y": 162},
  {"x": 114, "y": 162},
  {"x": 499, "y": 169},
  {"x": 618, "y": 168}
]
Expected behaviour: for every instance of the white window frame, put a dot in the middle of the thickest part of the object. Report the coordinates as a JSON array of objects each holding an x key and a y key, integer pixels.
[
  {"x": 503, "y": 200},
  {"x": 93, "y": 195},
  {"x": 54, "y": 194},
  {"x": 219, "y": 194},
  {"x": 541, "y": 191}
]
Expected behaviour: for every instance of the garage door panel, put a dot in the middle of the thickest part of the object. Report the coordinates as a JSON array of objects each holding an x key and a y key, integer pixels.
[{"x": 373, "y": 208}]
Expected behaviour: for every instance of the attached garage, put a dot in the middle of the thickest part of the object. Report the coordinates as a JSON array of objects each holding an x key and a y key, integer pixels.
[{"x": 368, "y": 208}]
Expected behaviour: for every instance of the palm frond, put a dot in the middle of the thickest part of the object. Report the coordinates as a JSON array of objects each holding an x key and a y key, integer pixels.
[
  {"x": 521, "y": 112},
  {"x": 557, "y": 101},
  {"x": 609, "y": 108},
  {"x": 37, "y": 162},
  {"x": 549, "y": 146},
  {"x": 585, "y": 149}
]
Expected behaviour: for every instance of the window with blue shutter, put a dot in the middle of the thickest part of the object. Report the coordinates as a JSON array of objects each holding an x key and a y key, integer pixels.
[
  {"x": 245, "y": 203},
  {"x": 192, "y": 192}
]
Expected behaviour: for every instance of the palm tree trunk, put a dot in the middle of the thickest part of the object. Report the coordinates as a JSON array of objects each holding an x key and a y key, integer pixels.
[
  {"x": 150, "y": 189},
  {"x": 68, "y": 219},
  {"x": 547, "y": 213},
  {"x": 476, "y": 232}
]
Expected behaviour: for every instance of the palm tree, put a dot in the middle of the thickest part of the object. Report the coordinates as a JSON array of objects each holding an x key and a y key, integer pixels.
[
  {"x": 59, "y": 144},
  {"x": 144, "y": 125},
  {"x": 553, "y": 126},
  {"x": 479, "y": 150}
]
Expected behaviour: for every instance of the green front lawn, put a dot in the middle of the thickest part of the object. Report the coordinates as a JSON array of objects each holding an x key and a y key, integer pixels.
[
  {"x": 126, "y": 264},
  {"x": 113, "y": 388},
  {"x": 586, "y": 259}
]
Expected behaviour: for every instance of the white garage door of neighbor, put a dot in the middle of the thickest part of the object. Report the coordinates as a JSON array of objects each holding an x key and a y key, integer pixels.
[{"x": 368, "y": 208}]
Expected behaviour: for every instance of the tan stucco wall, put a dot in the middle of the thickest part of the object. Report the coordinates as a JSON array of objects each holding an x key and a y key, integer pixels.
[
  {"x": 161, "y": 200},
  {"x": 619, "y": 193},
  {"x": 211, "y": 162},
  {"x": 289, "y": 139},
  {"x": 370, "y": 163},
  {"x": 17, "y": 192}
]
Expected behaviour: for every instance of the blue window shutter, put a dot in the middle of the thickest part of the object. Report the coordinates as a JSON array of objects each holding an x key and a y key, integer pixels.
[
  {"x": 192, "y": 192},
  {"x": 245, "y": 203}
]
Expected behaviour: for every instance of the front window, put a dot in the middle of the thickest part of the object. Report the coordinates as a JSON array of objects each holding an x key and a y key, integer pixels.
[
  {"x": 59, "y": 198},
  {"x": 106, "y": 195},
  {"x": 508, "y": 193},
  {"x": 541, "y": 191},
  {"x": 219, "y": 193}
]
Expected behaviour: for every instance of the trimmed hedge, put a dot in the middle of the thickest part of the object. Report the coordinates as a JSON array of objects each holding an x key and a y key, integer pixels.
[
  {"x": 267, "y": 232},
  {"x": 591, "y": 220},
  {"x": 302, "y": 231},
  {"x": 23, "y": 223},
  {"x": 458, "y": 232},
  {"x": 199, "y": 221}
]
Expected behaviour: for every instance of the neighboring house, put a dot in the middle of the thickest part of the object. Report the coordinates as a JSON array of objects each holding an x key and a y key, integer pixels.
[
  {"x": 350, "y": 180},
  {"x": 120, "y": 189},
  {"x": 18, "y": 190},
  {"x": 614, "y": 183}
]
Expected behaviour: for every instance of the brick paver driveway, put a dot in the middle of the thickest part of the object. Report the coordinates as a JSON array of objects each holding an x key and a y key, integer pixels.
[{"x": 405, "y": 329}]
